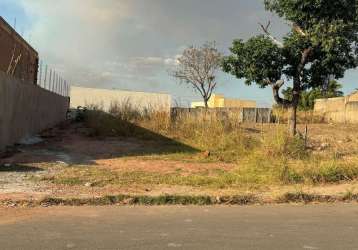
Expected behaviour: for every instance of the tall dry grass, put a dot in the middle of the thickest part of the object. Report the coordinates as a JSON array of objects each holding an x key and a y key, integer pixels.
[
  {"x": 281, "y": 116},
  {"x": 268, "y": 156}
]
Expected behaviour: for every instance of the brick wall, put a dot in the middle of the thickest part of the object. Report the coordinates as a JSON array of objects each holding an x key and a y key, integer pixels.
[{"x": 11, "y": 43}]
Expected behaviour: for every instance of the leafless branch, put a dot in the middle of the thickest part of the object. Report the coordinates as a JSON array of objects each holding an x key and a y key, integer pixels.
[{"x": 268, "y": 34}]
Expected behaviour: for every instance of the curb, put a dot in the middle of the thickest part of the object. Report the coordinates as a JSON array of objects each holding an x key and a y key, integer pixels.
[{"x": 167, "y": 200}]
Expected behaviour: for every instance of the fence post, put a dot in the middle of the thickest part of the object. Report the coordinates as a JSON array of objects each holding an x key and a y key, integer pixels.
[
  {"x": 54, "y": 81},
  {"x": 68, "y": 88},
  {"x": 60, "y": 85},
  {"x": 306, "y": 135},
  {"x": 66, "y": 85},
  {"x": 63, "y": 88},
  {"x": 256, "y": 115},
  {"x": 50, "y": 81},
  {"x": 45, "y": 79},
  {"x": 40, "y": 74}
]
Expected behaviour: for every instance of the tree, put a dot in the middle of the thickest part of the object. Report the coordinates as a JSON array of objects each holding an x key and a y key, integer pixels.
[
  {"x": 308, "y": 97},
  {"x": 322, "y": 42},
  {"x": 198, "y": 67}
]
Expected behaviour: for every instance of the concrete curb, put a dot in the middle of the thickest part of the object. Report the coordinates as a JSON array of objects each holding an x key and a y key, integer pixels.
[{"x": 165, "y": 200}]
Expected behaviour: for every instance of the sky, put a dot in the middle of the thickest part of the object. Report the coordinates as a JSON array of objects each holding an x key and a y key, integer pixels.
[{"x": 132, "y": 44}]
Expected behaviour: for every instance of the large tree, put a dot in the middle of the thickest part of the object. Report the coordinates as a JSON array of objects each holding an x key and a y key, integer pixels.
[
  {"x": 197, "y": 67},
  {"x": 322, "y": 42}
]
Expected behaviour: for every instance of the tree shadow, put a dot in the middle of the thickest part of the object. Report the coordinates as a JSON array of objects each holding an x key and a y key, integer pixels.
[
  {"x": 19, "y": 169},
  {"x": 100, "y": 136}
]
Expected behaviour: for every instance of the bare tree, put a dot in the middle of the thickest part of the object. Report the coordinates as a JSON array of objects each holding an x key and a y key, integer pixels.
[{"x": 198, "y": 67}]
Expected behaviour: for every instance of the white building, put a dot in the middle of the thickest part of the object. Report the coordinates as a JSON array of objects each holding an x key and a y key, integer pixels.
[{"x": 103, "y": 98}]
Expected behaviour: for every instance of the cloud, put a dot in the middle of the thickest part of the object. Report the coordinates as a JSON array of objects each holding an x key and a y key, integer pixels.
[
  {"x": 132, "y": 43},
  {"x": 154, "y": 61},
  {"x": 73, "y": 29}
]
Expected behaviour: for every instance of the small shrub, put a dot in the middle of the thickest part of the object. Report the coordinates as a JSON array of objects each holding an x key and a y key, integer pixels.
[
  {"x": 281, "y": 144},
  {"x": 331, "y": 172},
  {"x": 290, "y": 176}
]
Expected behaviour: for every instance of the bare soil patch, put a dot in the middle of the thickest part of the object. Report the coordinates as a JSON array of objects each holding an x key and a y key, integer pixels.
[{"x": 153, "y": 167}]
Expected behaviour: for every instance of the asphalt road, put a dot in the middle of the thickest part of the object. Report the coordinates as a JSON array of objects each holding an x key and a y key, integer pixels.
[{"x": 254, "y": 227}]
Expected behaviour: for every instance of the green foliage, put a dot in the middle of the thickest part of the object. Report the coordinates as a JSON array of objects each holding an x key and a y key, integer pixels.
[
  {"x": 323, "y": 42},
  {"x": 257, "y": 60},
  {"x": 308, "y": 97}
]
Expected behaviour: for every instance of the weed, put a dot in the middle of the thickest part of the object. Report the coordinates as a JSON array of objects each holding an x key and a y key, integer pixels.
[{"x": 266, "y": 158}]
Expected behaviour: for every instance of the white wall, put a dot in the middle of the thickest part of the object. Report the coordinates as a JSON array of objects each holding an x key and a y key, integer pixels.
[{"x": 104, "y": 97}]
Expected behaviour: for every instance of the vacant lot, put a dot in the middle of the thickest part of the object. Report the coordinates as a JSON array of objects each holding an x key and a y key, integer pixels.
[{"x": 109, "y": 155}]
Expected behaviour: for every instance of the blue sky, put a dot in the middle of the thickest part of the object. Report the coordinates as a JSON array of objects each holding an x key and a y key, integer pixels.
[{"x": 131, "y": 44}]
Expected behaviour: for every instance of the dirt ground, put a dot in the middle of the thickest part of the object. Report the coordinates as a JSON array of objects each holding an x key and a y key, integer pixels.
[
  {"x": 22, "y": 174},
  {"x": 69, "y": 145}
]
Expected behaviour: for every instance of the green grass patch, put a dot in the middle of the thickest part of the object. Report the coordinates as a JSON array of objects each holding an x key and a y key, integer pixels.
[
  {"x": 254, "y": 172},
  {"x": 262, "y": 158},
  {"x": 151, "y": 200}
]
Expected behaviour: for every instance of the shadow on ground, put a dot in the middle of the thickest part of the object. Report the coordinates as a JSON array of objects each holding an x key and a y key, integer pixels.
[
  {"x": 19, "y": 169},
  {"x": 101, "y": 136}
]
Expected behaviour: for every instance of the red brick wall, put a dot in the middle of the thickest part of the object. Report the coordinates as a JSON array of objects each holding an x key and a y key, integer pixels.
[{"x": 27, "y": 67}]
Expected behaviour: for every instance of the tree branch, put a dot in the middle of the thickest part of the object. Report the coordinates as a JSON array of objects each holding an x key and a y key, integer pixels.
[
  {"x": 276, "y": 93},
  {"x": 268, "y": 34},
  {"x": 298, "y": 29},
  {"x": 210, "y": 93}
]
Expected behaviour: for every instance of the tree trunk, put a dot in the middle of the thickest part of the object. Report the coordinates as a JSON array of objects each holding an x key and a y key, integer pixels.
[
  {"x": 206, "y": 103},
  {"x": 296, "y": 95},
  {"x": 292, "y": 120}
]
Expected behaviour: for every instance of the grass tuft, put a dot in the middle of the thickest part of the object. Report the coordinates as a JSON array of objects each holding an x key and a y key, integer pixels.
[
  {"x": 263, "y": 158},
  {"x": 150, "y": 200}
]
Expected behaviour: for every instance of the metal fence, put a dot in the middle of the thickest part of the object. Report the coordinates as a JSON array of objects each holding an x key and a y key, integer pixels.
[{"x": 48, "y": 78}]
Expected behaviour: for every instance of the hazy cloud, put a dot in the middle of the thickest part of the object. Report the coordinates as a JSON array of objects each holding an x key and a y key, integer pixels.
[
  {"x": 140, "y": 36},
  {"x": 132, "y": 43}
]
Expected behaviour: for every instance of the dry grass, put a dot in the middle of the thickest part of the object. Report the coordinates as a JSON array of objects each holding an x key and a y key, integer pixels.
[
  {"x": 264, "y": 154},
  {"x": 303, "y": 117}
]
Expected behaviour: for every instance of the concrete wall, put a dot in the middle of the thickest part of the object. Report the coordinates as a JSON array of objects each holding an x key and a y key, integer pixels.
[
  {"x": 245, "y": 115},
  {"x": 352, "y": 112},
  {"x": 330, "y": 105},
  {"x": 234, "y": 103},
  {"x": 338, "y": 110},
  {"x": 26, "y": 109},
  {"x": 353, "y": 97},
  {"x": 104, "y": 98}
]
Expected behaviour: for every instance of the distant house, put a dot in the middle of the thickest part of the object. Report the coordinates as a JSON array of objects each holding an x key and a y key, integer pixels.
[
  {"x": 339, "y": 109},
  {"x": 104, "y": 98},
  {"x": 219, "y": 101}
]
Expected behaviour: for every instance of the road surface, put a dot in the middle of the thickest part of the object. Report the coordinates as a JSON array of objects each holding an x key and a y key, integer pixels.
[{"x": 253, "y": 227}]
